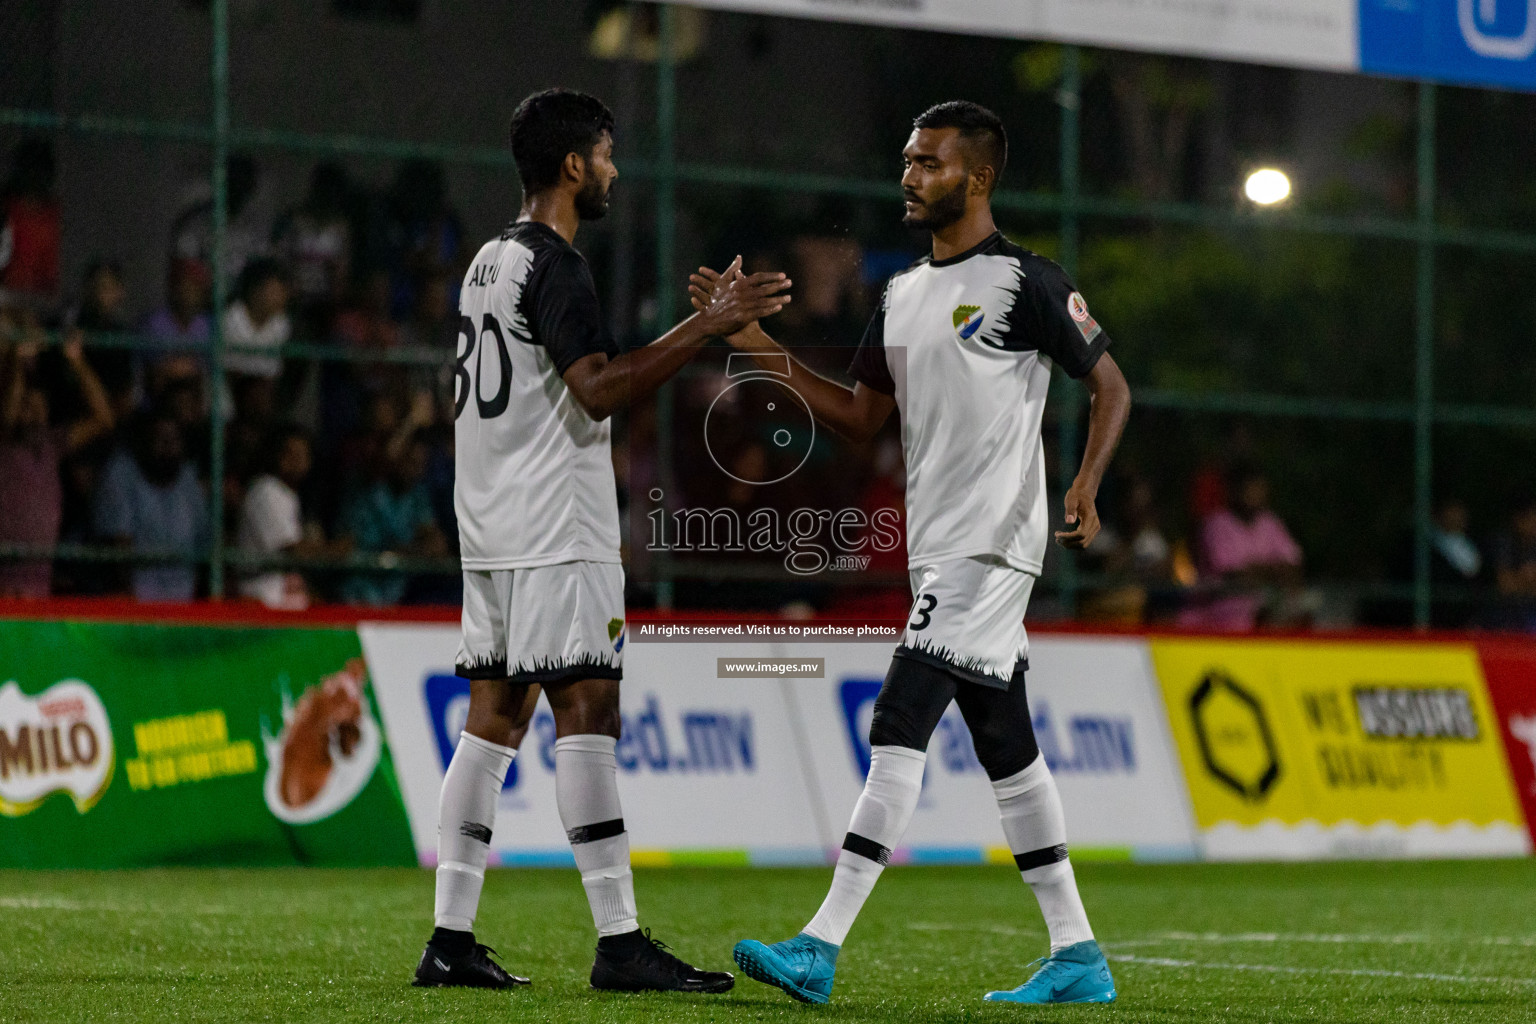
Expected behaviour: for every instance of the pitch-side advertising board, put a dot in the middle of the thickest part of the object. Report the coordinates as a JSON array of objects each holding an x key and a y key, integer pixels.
[
  {"x": 767, "y": 770},
  {"x": 1471, "y": 42},
  {"x": 1308, "y": 750},
  {"x": 128, "y": 746}
]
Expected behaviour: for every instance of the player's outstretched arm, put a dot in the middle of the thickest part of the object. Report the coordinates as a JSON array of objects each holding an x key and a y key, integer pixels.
[
  {"x": 1110, "y": 407},
  {"x": 602, "y": 385},
  {"x": 856, "y": 415}
]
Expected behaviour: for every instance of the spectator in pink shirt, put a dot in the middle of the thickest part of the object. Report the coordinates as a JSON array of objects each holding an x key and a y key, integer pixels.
[
  {"x": 31, "y": 449},
  {"x": 1253, "y": 556}
]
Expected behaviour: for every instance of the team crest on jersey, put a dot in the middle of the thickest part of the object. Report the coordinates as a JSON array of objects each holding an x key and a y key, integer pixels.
[
  {"x": 968, "y": 321},
  {"x": 616, "y": 635}
]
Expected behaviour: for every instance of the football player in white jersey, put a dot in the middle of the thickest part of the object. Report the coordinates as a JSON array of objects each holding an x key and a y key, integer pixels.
[
  {"x": 963, "y": 346},
  {"x": 537, "y": 378}
]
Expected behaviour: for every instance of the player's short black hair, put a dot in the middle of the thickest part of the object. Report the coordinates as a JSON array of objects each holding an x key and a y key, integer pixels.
[
  {"x": 979, "y": 128},
  {"x": 551, "y": 124}
]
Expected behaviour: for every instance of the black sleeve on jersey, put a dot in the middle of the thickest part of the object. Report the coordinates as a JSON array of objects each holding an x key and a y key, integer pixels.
[
  {"x": 563, "y": 312},
  {"x": 869, "y": 364},
  {"x": 1063, "y": 328}
]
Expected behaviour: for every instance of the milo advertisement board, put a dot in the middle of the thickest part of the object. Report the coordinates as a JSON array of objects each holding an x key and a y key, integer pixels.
[{"x": 130, "y": 745}]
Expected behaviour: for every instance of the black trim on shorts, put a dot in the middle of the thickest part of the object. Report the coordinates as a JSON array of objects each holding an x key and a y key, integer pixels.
[
  {"x": 486, "y": 668},
  {"x": 935, "y": 658},
  {"x": 569, "y": 671},
  {"x": 583, "y": 669}
]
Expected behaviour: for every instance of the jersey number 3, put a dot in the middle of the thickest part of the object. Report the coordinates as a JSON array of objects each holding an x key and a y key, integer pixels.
[
  {"x": 925, "y": 606},
  {"x": 497, "y": 404}
]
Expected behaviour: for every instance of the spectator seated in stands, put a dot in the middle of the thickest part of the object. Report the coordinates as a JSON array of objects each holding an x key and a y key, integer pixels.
[
  {"x": 272, "y": 522},
  {"x": 1514, "y": 562},
  {"x": 1135, "y": 556},
  {"x": 31, "y": 492},
  {"x": 29, "y": 231},
  {"x": 424, "y": 234},
  {"x": 150, "y": 501},
  {"x": 1455, "y": 566},
  {"x": 257, "y": 320},
  {"x": 246, "y": 229},
  {"x": 1255, "y": 561},
  {"x": 181, "y": 330},
  {"x": 392, "y": 516},
  {"x": 103, "y": 310},
  {"x": 365, "y": 326},
  {"x": 315, "y": 239}
]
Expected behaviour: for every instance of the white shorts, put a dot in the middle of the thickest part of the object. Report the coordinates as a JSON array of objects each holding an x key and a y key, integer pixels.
[
  {"x": 968, "y": 618},
  {"x": 545, "y": 624}
]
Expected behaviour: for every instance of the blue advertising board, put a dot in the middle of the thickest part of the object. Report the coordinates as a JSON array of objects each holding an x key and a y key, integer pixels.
[{"x": 1468, "y": 42}]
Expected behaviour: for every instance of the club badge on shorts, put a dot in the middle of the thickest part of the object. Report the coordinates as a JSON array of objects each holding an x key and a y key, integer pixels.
[{"x": 616, "y": 634}]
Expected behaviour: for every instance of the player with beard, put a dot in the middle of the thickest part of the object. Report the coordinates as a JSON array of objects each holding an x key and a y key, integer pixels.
[
  {"x": 537, "y": 378},
  {"x": 963, "y": 345}
]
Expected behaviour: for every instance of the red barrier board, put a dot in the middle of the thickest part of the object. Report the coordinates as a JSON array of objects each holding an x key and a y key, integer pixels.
[{"x": 1509, "y": 667}]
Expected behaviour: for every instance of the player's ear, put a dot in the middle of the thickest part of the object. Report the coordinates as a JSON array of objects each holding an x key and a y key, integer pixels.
[
  {"x": 983, "y": 178},
  {"x": 574, "y": 168}
]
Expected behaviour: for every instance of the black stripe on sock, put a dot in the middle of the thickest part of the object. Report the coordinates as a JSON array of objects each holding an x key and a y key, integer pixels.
[
  {"x": 476, "y": 831},
  {"x": 867, "y": 848},
  {"x": 592, "y": 833},
  {"x": 1040, "y": 858}
]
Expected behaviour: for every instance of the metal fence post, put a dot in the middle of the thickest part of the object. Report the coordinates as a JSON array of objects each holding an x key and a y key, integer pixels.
[
  {"x": 1424, "y": 363},
  {"x": 1070, "y": 100},
  {"x": 666, "y": 244},
  {"x": 220, "y": 70}
]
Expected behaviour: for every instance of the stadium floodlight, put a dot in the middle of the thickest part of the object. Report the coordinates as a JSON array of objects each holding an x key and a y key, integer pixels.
[{"x": 1267, "y": 186}]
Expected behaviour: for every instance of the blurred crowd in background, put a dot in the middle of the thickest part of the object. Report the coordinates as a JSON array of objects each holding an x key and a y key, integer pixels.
[{"x": 105, "y": 441}]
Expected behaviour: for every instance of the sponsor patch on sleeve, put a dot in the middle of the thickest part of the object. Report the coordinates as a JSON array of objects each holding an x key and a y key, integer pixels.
[{"x": 1077, "y": 308}]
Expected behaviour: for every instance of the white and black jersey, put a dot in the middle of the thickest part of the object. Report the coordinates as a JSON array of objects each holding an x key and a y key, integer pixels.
[
  {"x": 534, "y": 481},
  {"x": 966, "y": 346}
]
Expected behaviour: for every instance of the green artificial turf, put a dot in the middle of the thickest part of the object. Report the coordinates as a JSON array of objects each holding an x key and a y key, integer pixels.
[{"x": 1400, "y": 942}]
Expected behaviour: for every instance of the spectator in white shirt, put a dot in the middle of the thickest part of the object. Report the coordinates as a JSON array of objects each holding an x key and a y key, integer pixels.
[
  {"x": 272, "y": 522},
  {"x": 258, "y": 318}
]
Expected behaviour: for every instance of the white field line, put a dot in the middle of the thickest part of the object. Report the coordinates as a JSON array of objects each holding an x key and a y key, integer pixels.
[
  {"x": 49, "y": 903},
  {"x": 95, "y": 907},
  {"x": 1167, "y": 938},
  {"x": 1341, "y": 939},
  {"x": 58, "y": 903},
  {"x": 992, "y": 929},
  {"x": 1157, "y": 961}
]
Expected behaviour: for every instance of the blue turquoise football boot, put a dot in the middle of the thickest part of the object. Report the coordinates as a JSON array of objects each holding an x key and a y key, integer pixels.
[
  {"x": 801, "y": 966},
  {"x": 1076, "y": 974}
]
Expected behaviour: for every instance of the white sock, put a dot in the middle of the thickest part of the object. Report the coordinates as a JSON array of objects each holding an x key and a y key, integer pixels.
[
  {"x": 587, "y": 795},
  {"x": 1036, "y": 830},
  {"x": 880, "y": 819},
  {"x": 466, "y": 812}
]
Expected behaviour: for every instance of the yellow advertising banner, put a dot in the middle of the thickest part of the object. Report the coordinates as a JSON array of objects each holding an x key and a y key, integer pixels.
[{"x": 1308, "y": 749}]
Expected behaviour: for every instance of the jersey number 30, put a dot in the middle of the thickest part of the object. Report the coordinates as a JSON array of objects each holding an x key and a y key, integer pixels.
[{"x": 492, "y": 407}]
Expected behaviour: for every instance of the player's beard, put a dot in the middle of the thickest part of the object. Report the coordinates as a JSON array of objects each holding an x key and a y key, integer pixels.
[
  {"x": 592, "y": 200},
  {"x": 941, "y": 212}
]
